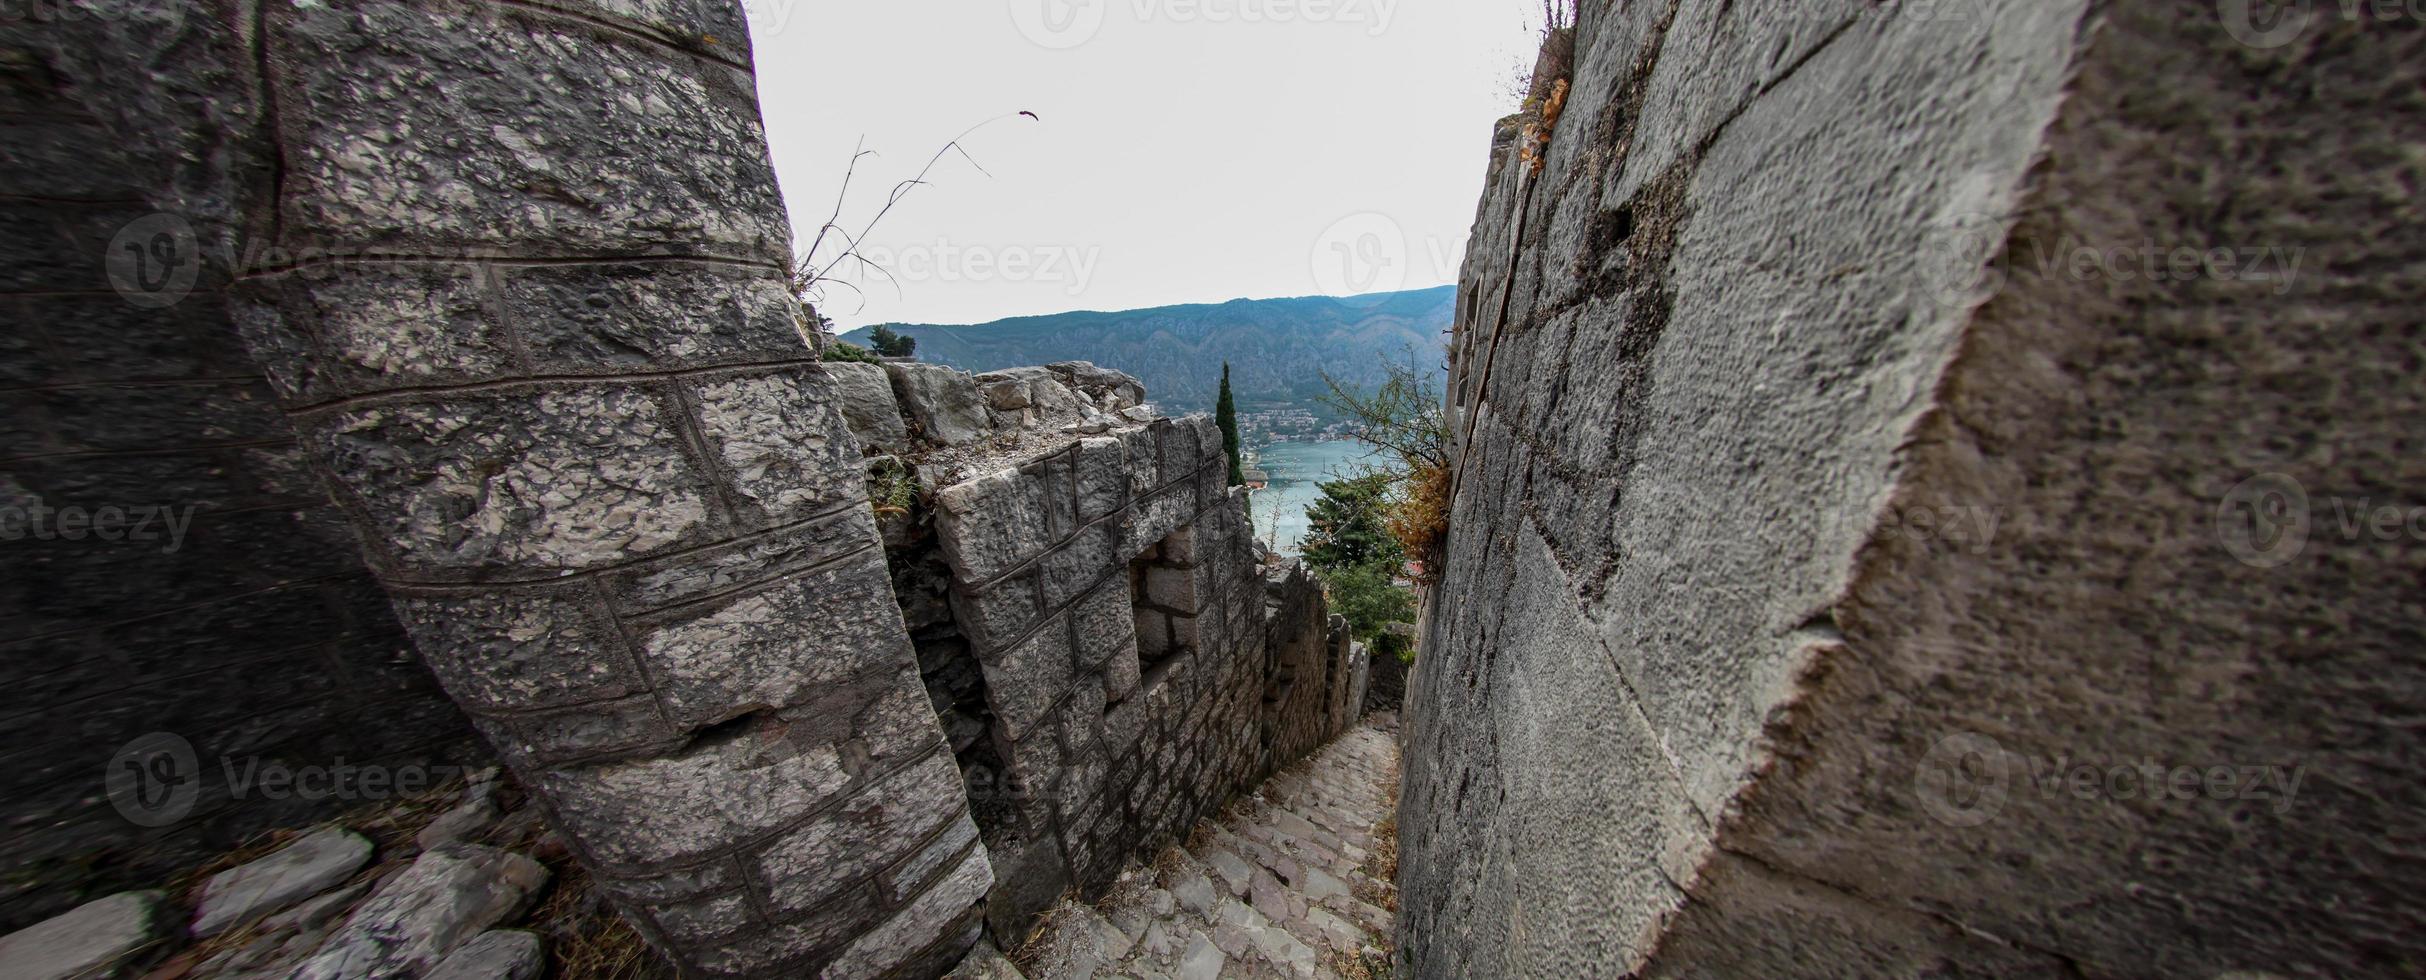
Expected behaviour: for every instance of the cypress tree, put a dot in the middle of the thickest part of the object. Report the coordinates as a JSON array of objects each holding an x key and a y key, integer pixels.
[{"x": 1225, "y": 415}]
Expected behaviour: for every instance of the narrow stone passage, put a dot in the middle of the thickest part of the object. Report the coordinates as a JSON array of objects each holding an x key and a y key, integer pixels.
[{"x": 1291, "y": 881}]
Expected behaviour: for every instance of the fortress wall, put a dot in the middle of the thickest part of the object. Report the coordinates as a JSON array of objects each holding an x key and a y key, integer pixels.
[
  {"x": 515, "y": 276},
  {"x": 171, "y": 571},
  {"x": 1829, "y": 495},
  {"x": 1110, "y": 591}
]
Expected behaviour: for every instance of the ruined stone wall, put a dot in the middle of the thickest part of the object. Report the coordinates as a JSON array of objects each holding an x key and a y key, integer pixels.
[
  {"x": 169, "y": 566},
  {"x": 515, "y": 275},
  {"x": 1099, "y": 641},
  {"x": 1819, "y": 512}
]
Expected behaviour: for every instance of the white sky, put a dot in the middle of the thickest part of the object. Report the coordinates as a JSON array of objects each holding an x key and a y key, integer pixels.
[{"x": 1189, "y": 150}]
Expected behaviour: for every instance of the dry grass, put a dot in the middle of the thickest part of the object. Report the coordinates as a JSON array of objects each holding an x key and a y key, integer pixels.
[{"x": 1420, "y": 520}]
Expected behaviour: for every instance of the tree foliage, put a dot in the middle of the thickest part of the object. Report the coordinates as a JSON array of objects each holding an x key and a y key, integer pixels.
[
  {"x": 1402, "y": 418},
  {"x": 841, "y": 350},
  {"x": 1370, "y": 601},
  {"x": 886, "y": 342},
  {"x": 1348, "y": 527},
  {"x": 1225, "y": 415}
]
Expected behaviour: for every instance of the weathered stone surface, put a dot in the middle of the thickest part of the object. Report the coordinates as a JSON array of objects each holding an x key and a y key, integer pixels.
[
  {"x": 551, "y": 478},
  {"x": 416, "y": 918},
  {"x": 865, "y": 393},
  {"x": 295, "y": 872},
  {"x": 588, "y": 319},
  {"x": 871, "y": 830},
  {"x": 784, "y": 449},
  {"x": 1025, "y": 681},
  {"x": 522, "y": 650},
  {"x": 1774, "y": 470},
  {"x": 776, "y": 647},
  {"x": 943, "y": 401},
  {"x": 911, "y": 928},
  {"x": 499, "y": 954},
  {"x": 468, "y": 819},
  {"x": 669, "y": 809},
  {"x": 985, "y": 963},
  {"x": 89, "y": 941},
  {"x": 991, "y": 524},
  {"x": 664, "y": 150}
]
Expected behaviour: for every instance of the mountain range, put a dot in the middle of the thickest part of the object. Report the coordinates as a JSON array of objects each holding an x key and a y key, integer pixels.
[{"x": 1277, "y": 349}]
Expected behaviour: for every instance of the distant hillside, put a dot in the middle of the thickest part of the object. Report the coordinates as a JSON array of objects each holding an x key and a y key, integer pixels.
[{"x": 1276, "y": 347}]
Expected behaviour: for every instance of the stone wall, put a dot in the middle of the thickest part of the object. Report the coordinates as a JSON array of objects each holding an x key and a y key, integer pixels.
[
  {"x": 168, "y": 562},
  {"x": 515, "y": 274},
  {"x": 1820, "y": 514},
  {"x": 1098, "y": 637}
]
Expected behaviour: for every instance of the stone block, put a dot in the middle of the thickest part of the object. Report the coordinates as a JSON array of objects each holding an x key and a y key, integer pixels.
[
  {"x": 855, "y": 839},
  {"x": 775, "y": 647},
  {"x": 499, "y": 954},
  {"x": 1175, "y": 589},
  {"x": 1024, "y": 682},
  {"x": 1105, "y": 624},
  {"x": 550, "y": 478},
  {"x": 866, "y": 396},
  {"x": 996, "y": 616},
  {"x": 706, "y": 921},
  {"x": 903, "y": 881},
  {"x": 580, "y": 732},
  {"x": 644, "y": 316},
  {"x": 991, "y": 524},
  {"x": 1141, "y": 455},
  {"x": 553, "y": 169},
  {"x": 1153, "y": 628},
  {"x": 1103, "y": 478},
  {"x": 295, "y": 872},
  {"x": 387, "y": 326},
  {"x": 1121, "y": 673},
  {"x": 794, "y": 948},
  {"x": 1056, "y": 480},
  {"x": 92, "y": 940},
  {"x": 943, "y": 401},
  {"x": 931, "y": 917},
  {"x": 522, "y": 650},
  {"x": 1088, "y": 558},
  {"x": 675, "y": 886},
  {"x": 656, "y": 584},
  {"x": 414, "y": 919},
  {"x": 783, "y": 448},
  {"x": 639, "y": 814},
  {"x": 1181, "y": 456}
]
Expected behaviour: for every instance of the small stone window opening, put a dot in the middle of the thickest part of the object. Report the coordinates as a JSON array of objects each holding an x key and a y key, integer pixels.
[{"x": 1163, "y": 590}]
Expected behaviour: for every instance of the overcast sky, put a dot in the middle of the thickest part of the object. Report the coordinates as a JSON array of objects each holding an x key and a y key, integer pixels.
[{"x": 1187, "y": 151}]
